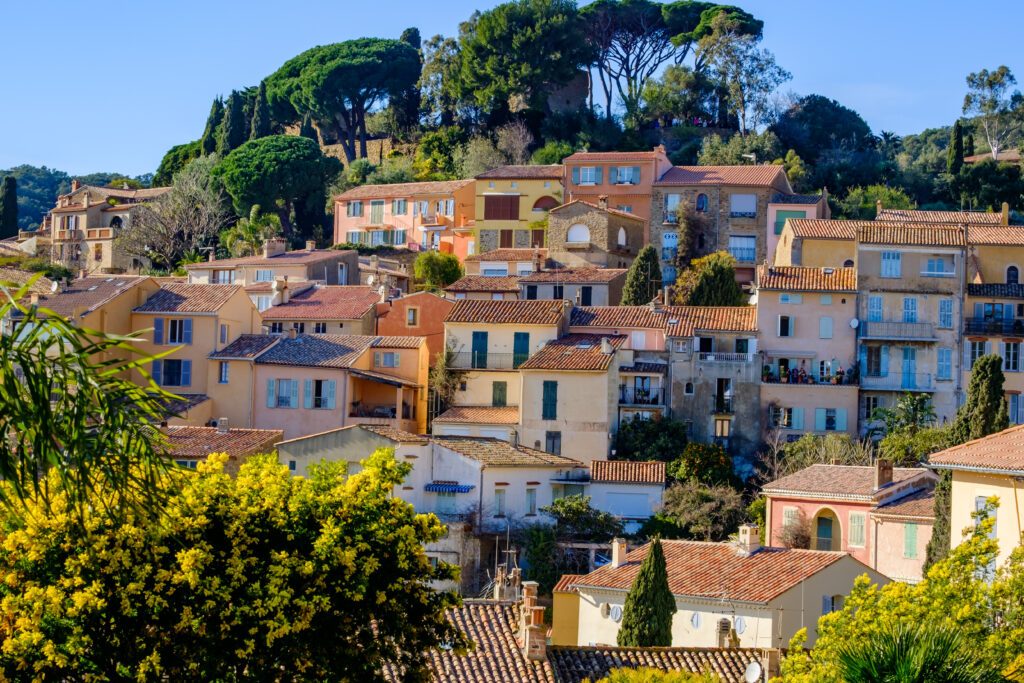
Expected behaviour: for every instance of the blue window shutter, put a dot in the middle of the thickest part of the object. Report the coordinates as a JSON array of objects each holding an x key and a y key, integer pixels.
[
  {"x": 636, "y": 174},
  {"x": 819, "y": 419},
  {"x": 330, "y": 394},
  {"x": 798, "y": 418},
  {"x": 188, "y": 330},
  {"x": 157, "y": 373},
  {"x": 158, "y": 331},
  {"x": 271, "y": 386},
  {"x": 186, "y": 373},
  {"x": 376, "y": 359},
  {"x": 576, "y": 175},
  {"x": 885, "y": 361},
  {"x": 826, "y": 604},
  {"x": 598, "y": 173},
  {"x": 613, "y": 174},
  {"x": 862, "y": 359},
  {"x": 294, "y": 386},
  {"x": 307, "y": 386},
  {"x": 979, "y": 311},
  {"x": 841, "y": 419}
]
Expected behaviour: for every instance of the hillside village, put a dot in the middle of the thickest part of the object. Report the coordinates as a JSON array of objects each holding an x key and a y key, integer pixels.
[{"x": 377, "y": 394}]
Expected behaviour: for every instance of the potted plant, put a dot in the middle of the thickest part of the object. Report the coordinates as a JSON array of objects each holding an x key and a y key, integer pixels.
[{"x": 766, "y": 373}]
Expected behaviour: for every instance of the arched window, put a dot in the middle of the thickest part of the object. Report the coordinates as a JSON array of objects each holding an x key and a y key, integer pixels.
[
  {"x": 688, "y": 389},
  {"x": 116, "y": 222},
  {"x": 578, "y": 234},
  {"x": 848, "y": 263},
  {"x": 702, "y": 203},
  {"x": 545, "y": 204},
  {"x": 622, "y": 237},
  {"x": 1012, "y": 275}
]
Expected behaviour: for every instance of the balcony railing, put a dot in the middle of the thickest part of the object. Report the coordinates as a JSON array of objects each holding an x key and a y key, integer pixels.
[
  {"x": 743, "y": 254},
  {"x": 723, "y": 405},
  {"x": 380, "y": 411},
  {"x": 899, "y": 381},
  {"x": 483, "y": 360},
  {"x": 724, "y": 357},
  {"x": 845, "y": 379},
  {"x": 994, "y": 326},
  {"x": 872, "y": 329},
  {"x": 631, "y": 396}
]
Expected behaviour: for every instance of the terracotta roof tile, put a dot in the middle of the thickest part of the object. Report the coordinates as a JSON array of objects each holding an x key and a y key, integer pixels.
[
  {"x": 627, "y": 472},
  {"x": 575, "y": 275},
  {"x": 498, "y": 453},
  {"x": 996, "y": 290},
  {"x": 19, "y": 278},
  {"x": 199, "y": 442},
  {"x": 910, "y": 234},
  {"x": 686, "y": 321},
  {"x": 510, "y": 312},
  {"x": 564, "y": 584},
  {"x": 247, "y": 346},
  {"x": 299, "y": 257},
  {"x": 485, "y": 283},
  {"x": 823, "y": 228},
  {"x": 760, "y": 175},
  {"x": 85, "y": 294},
  {"x": 394, "y": 434},
  {"x": 398, "y": 342},
  {"x": 508, "y": 255},
  {"x": 403, "y": 189},
  {"x": 178, "y": 297},
  {"x": 717, "y": 569},
  {"x": 527, "y": 172},
  {"x": 918, "y": 505},
  {"x": 920, "y": 216},
  {"x": 596, "y": 207},
  {"x": 480, "y": 415},
  {"x": 840, "y": 481},
  {"x": 1003, "y": 452},
  {"x": 317, "y": 350},
  {"x": 996, "y": 235},
  {"x": 638, "y": 317},
  {"x": 577, "y": 664},
  {"x": 799, "y": 279},
  {"x": 613, "y": 156},
  {"x": 335, "y": 302},
  {"x": 575, "y": 352}
]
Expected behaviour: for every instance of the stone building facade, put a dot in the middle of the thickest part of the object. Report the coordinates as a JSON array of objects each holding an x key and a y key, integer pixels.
[{"x": 581, "y": 234}]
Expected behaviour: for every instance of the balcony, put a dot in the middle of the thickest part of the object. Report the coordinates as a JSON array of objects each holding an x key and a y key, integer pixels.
[
  {"x": 631, "y": 396},
  {"x": 723, "y": 357},
  {"x": 994, "y": 326},
  {"x": 899, "y": 381},
  {"x": 744, "y": 254},
  {"x": 891, "y": 330},
  {"x": 793, "y": 378},
  {"x": 483, "y": 360},
  {"x": 723, "y": 406},
  {"x": 69, "y": 235}
]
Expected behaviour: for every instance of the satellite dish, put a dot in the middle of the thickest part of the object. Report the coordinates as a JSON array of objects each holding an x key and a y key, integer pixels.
[
  {"x": 370, "y": 280},
  {"x": 854, "y": 323},
  {"x": 616, "y": 613},
  {"x": 752, "y": 673},
  {"x": 54, "y": 286}
]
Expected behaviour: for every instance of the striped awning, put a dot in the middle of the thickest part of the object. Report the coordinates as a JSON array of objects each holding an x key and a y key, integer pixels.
[{"x": 448, "y": 487}]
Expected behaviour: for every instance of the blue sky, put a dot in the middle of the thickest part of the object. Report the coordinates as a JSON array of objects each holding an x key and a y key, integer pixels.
[{"x": 110, "y": 87}]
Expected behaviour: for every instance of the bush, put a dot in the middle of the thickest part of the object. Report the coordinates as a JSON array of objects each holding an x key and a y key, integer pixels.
[
  {"x": 659, "y": 439},
  {"x": 437, "y": 270},
  {"x": 704, "y": 462}
]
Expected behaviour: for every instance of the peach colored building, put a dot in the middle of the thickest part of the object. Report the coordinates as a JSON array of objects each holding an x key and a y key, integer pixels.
[
  {"x": 427, "y": 215},
  {"x": 808, "y": 349},
  {"x": 324, "y": 309},
  {"x": 839, "y": 503},
  {"x": 417, "y": 315}
]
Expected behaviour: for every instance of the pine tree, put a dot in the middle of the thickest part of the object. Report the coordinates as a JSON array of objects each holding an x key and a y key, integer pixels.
[
  {"x": 969, "y": 145},
  {"x": 260, "y": 127},
  {"x": 405, "y": 105},
  {"x": 208, "y": 143},
  {"x": 307, "y": 130},
  {"x": 234, "y": 128},
  {"x": 955, "y": 152},
  {"x": 643, "y": 279},
  {"x": 9, "y": 207},
  {"x": 647, "y": 615}
]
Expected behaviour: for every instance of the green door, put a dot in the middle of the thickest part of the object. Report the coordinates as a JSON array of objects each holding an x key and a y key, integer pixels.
[
  {"x": 520, "y": 348},
  {"x": 824, "y": 533},
  {"x": 479, "y": 350}
]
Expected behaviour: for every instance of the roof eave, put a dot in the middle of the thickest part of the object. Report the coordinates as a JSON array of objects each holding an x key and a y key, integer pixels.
[{"x": 978, "y": 469}]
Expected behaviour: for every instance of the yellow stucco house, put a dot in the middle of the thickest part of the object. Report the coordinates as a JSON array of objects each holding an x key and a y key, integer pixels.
[{"x": 511, "y": 204}]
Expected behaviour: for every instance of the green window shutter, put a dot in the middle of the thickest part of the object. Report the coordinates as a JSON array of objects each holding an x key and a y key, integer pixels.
[
  {"x": 857, "y": 529},
  {"x": 910, "y": 541},
  {"x": 499, "y": 394},
  {"x": 521, "y": 345},
  {"x": 549, "y": 408}
]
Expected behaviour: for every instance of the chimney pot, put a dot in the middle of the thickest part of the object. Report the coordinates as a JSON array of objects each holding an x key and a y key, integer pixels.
[
  {"x": 75, "y": 184},
  {"x": 883, "y": 473},
  {"x": 749, "y": 540},
  {"x": 310, "y": 245},
  {"x": 292, "y": 333},
  {"x": 606, "y": 346},
  {"x": 878, "y": 206},
  {"x": 619, "y": 550},
  {"x": 1006, "y": 213},
  {"x": 274, "y": 247},
  {"x": 222, "y": 425},
  {"x": 213, "y": 255},
  {"x": 602, "y": 202}
]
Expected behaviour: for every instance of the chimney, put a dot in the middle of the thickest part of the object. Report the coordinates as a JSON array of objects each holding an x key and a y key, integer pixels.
[
  {"x": 883, "y": 473},
  {"x": 827, "y": 209},
  {"x": 282, "y": 288},
  {"x": 85, "y": 200},
  {"x": 33, "y": 299},
  {"x": 606, "y": 346},
  {"x": 500, "y": 583},
  {"x": 273, "y": 247},
  {"x": 1006, "y": 213},
  {"x": 535, "y": 640},
  {"x": 310, "y": 245},
  {"x": 75, "y": 184},
  {"x": 618, "y": 552},
  {"x": 82, "y": 273},
  {"x": 602, "y": 202},
  {"x": 771, "y": 661},
  {"x": 222, "y": 425},
  {"x": 878, "y": 206},
  {"x": 749, "y": 542},
  {"x": 213, "y": 255},
  {"x": 538, "y": 262},
  {"x": 514, "y": 439},
  {"x": 292, "y": 333}
]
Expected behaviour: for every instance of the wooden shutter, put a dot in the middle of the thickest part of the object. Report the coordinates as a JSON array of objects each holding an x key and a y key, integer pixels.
[
  {"x": 158, "y": 371},
  {"x": 330, "y": 394},
  {"x": 294, "y": 387},
  {"x": 186, "y": 373},
  {"x": 271, "y": 391},
  {"x": 576, "y": 175},
  {"x": 549, "y": 409},
  {"x": 187, "y": 334}
]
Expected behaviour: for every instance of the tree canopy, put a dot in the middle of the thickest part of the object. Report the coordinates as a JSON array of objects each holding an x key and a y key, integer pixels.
[
  {"x": 436, "y": 270},
  {"x": 650, "y": 605},
  {"x": 643, "y": 279},
  {"x": 710, "y": 281},
  {"x": 815, "y": 123},
  {"x": 174, "y": 160}
]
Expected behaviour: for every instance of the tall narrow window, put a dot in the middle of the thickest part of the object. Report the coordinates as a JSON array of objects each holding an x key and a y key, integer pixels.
[
  {"x": 549, "y": 406},
  {"x": 1012, "y": 275}
]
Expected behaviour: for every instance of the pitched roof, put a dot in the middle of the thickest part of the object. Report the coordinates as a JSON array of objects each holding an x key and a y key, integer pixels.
[
  {"x": 996, "y": 235},
  {"x": 627, "y": 472},
  {"x": 299, "y": 257},
  {"x": 317, "y": 350},
  {"x": 179, "y": 297},
  {"x": 199, "y": 442},
  {"x": 800, "y": 279},
  {"x": 402, "y": 189},
  {"x": 19, "y": 278},
  {"x": 996, "y": 290},
  {"x": 575, "y": 352},
  {"x": 759, "y": 175},
  {"x": 524, "y": 254},
  {"x": 574, "y": 275},
  {"x": 399, "y": 342},
  {"x": 86, "y": 294},
  {"x": 334, "y": 302},
  {"x": 498, "y": 453},
  {"x": 577, "y": 664},
  {"x": 597, "y": 207},
  {"x": 1001, "y": 452},
  {"x": 640, "y": 317},
  {"x": 485, "y": 283},
  {"x": 838, "y": 481},
  {"x": 802, "y": 199},
  {"x": 918, "y": 505},
  {"x": 823, "y": 228},
  {"x": 921, "y": 216},
  {"x": 614, "y": 156},
  {"x": 394, "y": 434},
  {"x": 525, "y": 172},
  {"x": 703, "y": 570},
  {"x": 685, "y": 321},
  {"x": 480, "y": 415},
  {"x": 512, "y": 312},
  {"x": 247, "y": 346},
  {"x": 910, "y": 234}
]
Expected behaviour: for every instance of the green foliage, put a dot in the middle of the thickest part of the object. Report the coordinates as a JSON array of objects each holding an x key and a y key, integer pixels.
[
  {"x": 644, "y": 675},
  {"x": 236, "y": 578},
  {"x": 796, "y": 170},
  {"x": 955, "y": 153},
  {"x": 815, "y": 123},
  {"x": 659, "y": 439},
  {"x": 643, "y": 280},
  {"x": 710, "y": 281},
  {"x": 248, "y": 235},
  {"x": 576, "y": 520},
  {"x": 647, "y": 614},
  {"x": 440, "y": 88},
  {"x": 909, "y": 448},
  {"x": 552, "y": 152},
  {"x": 476, "y": 156},
  {"x": 861, "y": 203},
  {"x": 307, "y": 130},
  {"x": 702, "y": 512},
  {"x": 234, "y": 129},
  {"x": 784, "y": 458},
  {"x": 757, "y": 513},
  {"x": 987, "y": 184},
  {"x": 911, "y": 412},
  {"x": 980, "y": 414},
  {"x": 707, "y": 463},
  {"x": 38, "y": 187},
  {"x": 208, "y": 141},
  {"x": 540, "y": 552},
  {"x": 176, "y": 158},
  {"x": 716, "y": 152},
  {"x": 436, "y": 154},
  {"x": 261, "y": 125},
  {"x": 393, "y": 170},
  {"x": 53, "y": 271},
  {"x": 437, "y": 270},
  {"x": 938, "y": 544},
  {"x": 679, "y": 95},
  {"x": 998, "y": 107},
  {"x": 9, "y": 207}
]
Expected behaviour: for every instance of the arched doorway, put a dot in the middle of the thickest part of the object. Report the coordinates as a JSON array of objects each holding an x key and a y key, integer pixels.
[{"x": 826, "y": 533}]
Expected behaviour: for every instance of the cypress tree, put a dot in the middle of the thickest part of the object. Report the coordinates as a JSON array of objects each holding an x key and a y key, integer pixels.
[
  {"x": 939, "y": 544},
  {"x": 9, "y": 207},
  {"x": 643, "y": 279},
  {"x": 647, "y": 615},
  {"x": 234, "y": 128},
  {"x": 955, "y": 153},
  {"x": 711, "y": 281},
  {"x": 208, "y": 143},
  {"x": 260, "y": 127},
  {"x": 307, "y": 130},
  {"x": 969, "y": 145}
]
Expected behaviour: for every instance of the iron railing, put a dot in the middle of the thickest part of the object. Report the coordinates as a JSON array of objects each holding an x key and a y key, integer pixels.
[
  {"x": 632, "y": 396},
  {"x": 874, "y": 329},
  {"x": 899, "y": 381}
]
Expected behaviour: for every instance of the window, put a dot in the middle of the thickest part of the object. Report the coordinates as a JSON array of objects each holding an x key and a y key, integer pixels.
[
  {"x": 179, "y": 331},
  {"x": 944, "y": 364},
  {"x": 857, "y": 529},
  {"x": 628, "y": 208},
  {"x": 223, "y": 277},
  {"x": 871, "y": 404},
  {"x": 938, "y": 267},
  {"x": 222, "y": 376},
  {"x": 399, "y": 207},
  {"x": 495, "y": 272},
  {"x": 1012, "y": 275},
  {"x": 825, "y": 299},
  {"x": 910, "y": 540},
  {"x": 586, "y": 295},
  {"x": 558, "y": 292},
  {"x": 385, "y": 359},
  {"x": 621, "y": 239},
  {"x": 946, "y": 313},
  {"x": 223, "y": 334},
  {"x": 549, "y": 406},
  {"x": 781, "y": 216},
  {"x": 531, "y": 502},
  {"x": 589, "y": 175},
  {"x": 783, "y": 418},
  {"x": 743, "y": 248},
  {"x": 175, "y": 372},
  {"x": 875, "y": 309},
  {"x": 449, "y": 206},
  {"x": 790, "y": 515},
  {"x": 742, "y": 345},
  {"x": 531, "y": 292},
  {"x": 97, "y": 252},
  {"x": 624, "y": 175},
  {"x": 688, "y": 388},
  {"x": 264, "y": 275},
  {"x": 875, "y": 356},
  {"x": 300, "y": 328},
  {"x": 909, "y": 309},
  {"x": 286, "y": 394},
  {"x": 354, "y": 237},
  {"x": 578, "y": 234},
  {"x": 723, "y": 427},
  {"x": 322, "y": 393},
  {"x": 701, "y": 204},
  {"x": 977, "y": 350},
  {"x": 277, "y": 328},
  {"x": 499, "y": 502},
  {"x": 891, "y": 264},
  {"x": 672, "y": 208},
  {"x": 353, "y": 209},
  {"x": 412, "y": 317},
  {"x": 1011, "y": 356},
  {"x": 824, "y": 327},
  {"x": 499, "y": 394},
  {"x": 830, "y": 419},
  {"x": 743, "y": 205},
  {"x": 786, "y": 326},
  {"x": 787, "y": 298},
  {"x": 506, "y": 238},
  {"x": 445, "y": 503},
  {"x": 187, "y": 464},
  {"x": 1014, "y": 408},
  {"x": 319, "y": 328},
  {"x": 553, "y": 442}
]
